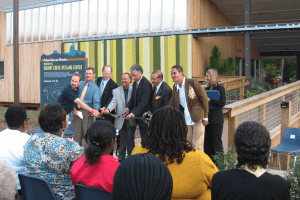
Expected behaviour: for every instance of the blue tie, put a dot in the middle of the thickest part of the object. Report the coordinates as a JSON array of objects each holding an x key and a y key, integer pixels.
[{"x": 101, "y": 88}]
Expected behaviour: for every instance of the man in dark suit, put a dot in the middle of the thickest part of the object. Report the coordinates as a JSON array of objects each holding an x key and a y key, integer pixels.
[
  {"x": 161, "y": 92},
  {"x": 106, "y": 86},
  {"x": 140, "y": 101}
]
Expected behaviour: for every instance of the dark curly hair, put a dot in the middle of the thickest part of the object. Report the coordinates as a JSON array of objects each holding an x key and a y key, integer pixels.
[
  {"x": 167, "y": 135},
  {"x": 252, "y": 141},
  {"x": 142, "y": 176},
  {"x": 15, "y": 116},
  {"x": 51, "y": 118},
  {"x": 98, "y": 136}
]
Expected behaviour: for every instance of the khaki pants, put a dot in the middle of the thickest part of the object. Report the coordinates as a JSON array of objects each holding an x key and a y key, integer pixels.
[
  {"x": 80, "y": 125},
  {"x": 67, "y": 119},
  {"x": 195, "y": 135}
]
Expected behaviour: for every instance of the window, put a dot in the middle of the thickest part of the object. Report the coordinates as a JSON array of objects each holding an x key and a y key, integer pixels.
[{"x": 1, "y": 70}]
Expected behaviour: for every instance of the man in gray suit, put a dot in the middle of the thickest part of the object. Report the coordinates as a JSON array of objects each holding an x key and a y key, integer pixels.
[{"x": 121, "y": 97}]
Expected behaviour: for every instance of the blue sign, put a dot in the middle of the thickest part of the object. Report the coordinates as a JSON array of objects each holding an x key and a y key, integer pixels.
[{"x": 56, "y": 73}]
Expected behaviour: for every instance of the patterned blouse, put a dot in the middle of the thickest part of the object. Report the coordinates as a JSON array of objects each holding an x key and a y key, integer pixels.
[{"x": 49, "y": 156}]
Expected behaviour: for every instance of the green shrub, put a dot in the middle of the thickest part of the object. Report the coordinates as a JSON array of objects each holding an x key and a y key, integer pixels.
[
  {"x": 224, "y": 67},
  {"x": 294, "y": 179},
  {"x": 225, "y": 161},
  {"x": 252, "y": 93},
  {"x": 215, "y": 61},
  {"x": 229, "y": 68}
]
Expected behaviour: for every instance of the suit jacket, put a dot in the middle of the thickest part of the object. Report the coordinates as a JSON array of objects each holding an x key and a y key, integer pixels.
[
  {"x": 215, "y": 116},
  {"x": 162, "y": 96},
  {"x": 197, "y": 102},
  {"x": 107, "y": 96},
  {"x": 142, "y": 103},
  {"x": 118, "y": 101}
]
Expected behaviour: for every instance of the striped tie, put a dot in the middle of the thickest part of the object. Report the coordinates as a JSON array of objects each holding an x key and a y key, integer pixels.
[
  {"x": 101, "y": 88},
  {"x": 83, "y": 93}
]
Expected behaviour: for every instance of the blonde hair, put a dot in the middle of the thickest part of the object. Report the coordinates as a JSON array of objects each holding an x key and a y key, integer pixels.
[
  {"x": 8, "y": 177},
  {"x": 214, "y": 77}
]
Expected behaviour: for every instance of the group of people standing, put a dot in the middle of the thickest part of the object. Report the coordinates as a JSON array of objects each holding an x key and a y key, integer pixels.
[
  {"x": 166, "y": 165},
  {"x": 125, "y": 105}
]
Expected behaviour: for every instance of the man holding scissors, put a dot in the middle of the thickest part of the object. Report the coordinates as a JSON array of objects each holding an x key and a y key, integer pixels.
[{"x": 121, "y": 97}]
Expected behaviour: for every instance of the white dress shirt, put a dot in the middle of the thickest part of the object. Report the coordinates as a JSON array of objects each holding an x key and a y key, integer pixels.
[
  {"x": 11, "y": 150},
  {"x": 157, "y": 87},
  {"x": 104, "y": 83},
  {"x": 183, "y": 103}
]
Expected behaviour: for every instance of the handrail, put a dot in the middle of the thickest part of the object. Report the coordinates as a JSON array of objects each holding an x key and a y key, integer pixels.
[{"x": 243, "y": 106}]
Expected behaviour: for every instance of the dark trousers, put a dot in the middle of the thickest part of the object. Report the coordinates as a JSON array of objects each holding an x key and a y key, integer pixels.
[
  {"x": 126, "y": 139},
  {"x": 213, "y": 139},
  {"x": 143, "y": 128}
]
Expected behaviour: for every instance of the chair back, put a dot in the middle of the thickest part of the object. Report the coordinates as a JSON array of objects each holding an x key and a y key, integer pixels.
[
  {"x": 84, "y": 192},
  {"x": 35, "y": 188},
  {"x": 291, "y": 138}
]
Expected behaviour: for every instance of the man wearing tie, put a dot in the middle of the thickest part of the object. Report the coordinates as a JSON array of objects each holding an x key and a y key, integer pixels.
[
  {"x": 161, "y": 92},
  {"x": 89, "y": 94},
  {"x": 121, "y": 96},
  {"x": 140, "y": 101},
  {"x": 106, "y": 86}
]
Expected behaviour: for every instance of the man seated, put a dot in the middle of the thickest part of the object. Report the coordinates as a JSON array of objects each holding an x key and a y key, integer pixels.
[{"x": 13, "y": 139}]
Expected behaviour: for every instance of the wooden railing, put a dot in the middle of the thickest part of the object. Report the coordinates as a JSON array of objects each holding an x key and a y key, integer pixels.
[
  {"x": 265, "y": 109},
  {"x": 230, "y": 83}
]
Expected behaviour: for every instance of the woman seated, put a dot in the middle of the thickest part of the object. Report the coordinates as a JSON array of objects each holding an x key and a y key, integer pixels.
[
  {"x": 250, "y": 180},
  {"x": 142, "y": 177},
  {"x": 49, "y": 155},
  {"x": 98, "y": 167},
  {"x": 192, "y": 170}
]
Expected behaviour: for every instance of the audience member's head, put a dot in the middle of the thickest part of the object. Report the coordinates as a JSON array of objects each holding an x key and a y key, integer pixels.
[
  {"x": 252, "y": 141},
  {"x": 16, "y": 118},
  {"x": 142, "y": 177},
  {"x": 8, "y": 188},
  {"x": 52, "y": 119},
  {"x": 101, "y": 139},
  {"x": 167, "y": 135}
]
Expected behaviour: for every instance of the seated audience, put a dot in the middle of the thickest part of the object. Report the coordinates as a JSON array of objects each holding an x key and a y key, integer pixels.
[
  {"x": 8, "y": 188},
  {"x": 13, "y": 139},
  {"x": 49, "y": 155},
  {"x": 250, "y": 180},
  {"x": 142, "y": 177},
  {"x": 192, "y": 170},
  {"x": 97, "y": 168}
]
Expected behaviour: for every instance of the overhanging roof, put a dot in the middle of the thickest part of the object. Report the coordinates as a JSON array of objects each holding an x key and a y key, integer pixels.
[
  {"x": 266, "y": 12},
  {"x": 7, "y": 5}
]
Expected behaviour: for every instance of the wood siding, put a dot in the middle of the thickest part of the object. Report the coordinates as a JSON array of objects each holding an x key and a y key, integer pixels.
[
  {"x": 29, "y": 67},
  {"x": 205, "y": 14}
]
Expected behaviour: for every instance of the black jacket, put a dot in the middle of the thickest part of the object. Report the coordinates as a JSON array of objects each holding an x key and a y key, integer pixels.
[
  {"x": 107, "y": 96},
  {"x": 162, "y": 96},
  {"x": 142, "y": 103},
  {"x": 215, "y": 116}
]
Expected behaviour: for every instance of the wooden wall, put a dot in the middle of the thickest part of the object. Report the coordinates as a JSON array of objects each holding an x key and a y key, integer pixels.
[
  {"x": 29, "y": 65},
  {"x": 204, "y": 14}
]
